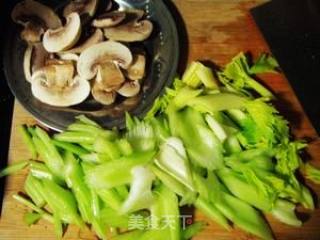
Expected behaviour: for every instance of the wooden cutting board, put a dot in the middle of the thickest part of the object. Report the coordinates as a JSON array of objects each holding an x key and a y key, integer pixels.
[{"x": 217, "y": 30}]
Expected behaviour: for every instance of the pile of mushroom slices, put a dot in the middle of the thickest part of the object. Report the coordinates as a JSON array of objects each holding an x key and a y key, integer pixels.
[{"x": 63, "y": 69}]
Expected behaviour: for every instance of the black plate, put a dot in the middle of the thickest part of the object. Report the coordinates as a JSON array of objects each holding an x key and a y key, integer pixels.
[{"x": 162, "y": 58}]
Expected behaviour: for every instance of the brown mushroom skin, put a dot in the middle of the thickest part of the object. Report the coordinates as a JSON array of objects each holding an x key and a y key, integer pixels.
[
  {"x": 130, "y": 32},
  {"x": 109, "y": 19},
  {"x": 109, "y": 76},
  {"x": 102, "y": 96},
  {"x": 129, "y": 89},
  {"x": 136, "y": 71},
  {"x": 32, "y": 32},
  {"x": 81, "y": 7}
]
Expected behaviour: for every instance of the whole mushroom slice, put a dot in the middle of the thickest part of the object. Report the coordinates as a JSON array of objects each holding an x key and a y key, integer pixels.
[
  {"x": 130, "y": 31},
  {"x": 63, "y": 38},
  {"x": 55, "y": 85},
  {"x": 95, "y": 38},
  {"x": 33, "y": 11},
  {"x": 102, "y": 95},
  {"x": 109, "y": 19},
  {"x": 129, "y": 89},
  {"x": 109, "y": 76},
  {"x": 136, "y": 70},
  {"x": 35, "y": 57},
  {"x": 100, "y": 53},
  {"x": 81, "y": 7}
]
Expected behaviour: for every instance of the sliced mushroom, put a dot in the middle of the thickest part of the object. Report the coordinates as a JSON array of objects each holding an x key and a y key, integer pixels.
[
  {"x": 27, "y": 63},
  {"x": 56, "y": 85},
  {"x": 63, "y": 38},
  {"x": 68, "y": 56},
  {"x": 136, "y": 70},
  {"x": 129, "y": 89},
  {"x": 100, "y": 53},
  {"x": 109, "y": 19},
  {"x": 109, "y": 76},
  {"x": 103, "y": 96},
  {"x": 35, "y": 57},
  {"x": 32, "y": 32},
  {"x": 81, "y": 7},
  {"x": 32, "y": 11},
  {"x": 132, "y": 30},
  {"x": 94, "y": 39}
]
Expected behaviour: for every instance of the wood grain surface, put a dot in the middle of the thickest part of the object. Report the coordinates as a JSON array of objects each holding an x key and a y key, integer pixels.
[{"x": 216, "y": 30}]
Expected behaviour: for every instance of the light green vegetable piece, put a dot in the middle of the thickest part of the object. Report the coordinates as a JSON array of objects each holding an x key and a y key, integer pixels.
[
  {"x": 265, "y": 63},
  {"x": 284, "y": 211},
  {"x": 312, "y": 173},
  {"x": 13, "y": 168}
]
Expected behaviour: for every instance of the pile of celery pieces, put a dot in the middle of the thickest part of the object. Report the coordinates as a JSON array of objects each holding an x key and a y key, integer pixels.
[{"x": 213, "y": 141}]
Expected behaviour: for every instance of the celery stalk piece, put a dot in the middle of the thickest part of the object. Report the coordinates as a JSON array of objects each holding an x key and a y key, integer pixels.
[
  {"x": 284, "y": 211},
  {"x": 98, "y": 131},
  {"x": 243, "y": 215},
  {"x": 86, "y": 120},
  {"x": 49, "y": 153},
  {"x": 208, "y": 78},
  {"x": 41, "y": 171},
  {"x": 13, "y": 168},
  {"x": 112, "y": 218},
  {"x": 116, "y": 172},
  {"x": 99, "y": 227},
  {"x": 88, "y": 147},
  {"x": 188, "y": 197},
  {"x": 122, "y": 191},
  {"x": 172, "y": 158},
  {"x": 76, "y": 137},
  {"x": 185, "y": 95},
  {"x": 132, "y": 235},
  {"x": 160, "y": 127},
  {"x": 141, "y": 136},
  {"x": 75, "y": 180},
  {"x": 140, "y": 195},
  {"x": 191, "y": 128},
  {"x": 27, "y": 139},
  {"x": 217, "y": 102},
  {"x": 58, "y": 227},
  {"x": 102, "y": 145},
  {"x": 34, "y": 189},
  {"x": 165, "y": 210},
  {"x": 212, "y": 212},
  {"x": 70, "y": 147},
  {"x": 238, "y": 186},
  {"x": 312, "y": 173},
  {"x": 111, "y": 198},
  {"x": 31, "y": 218},
  {"x": 216, "y": 127},
  {"x": 48, "y": 217},
  {"x": 124, "y": 147},
  {"x": 95, "y": 203},
  {"x": 62, "y": 202},
  {"x": 265, "y": 63},
  {"x": 192, "y": 230}
]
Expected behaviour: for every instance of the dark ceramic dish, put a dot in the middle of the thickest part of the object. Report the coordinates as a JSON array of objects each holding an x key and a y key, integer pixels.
[{"x": 162, "y": 59}]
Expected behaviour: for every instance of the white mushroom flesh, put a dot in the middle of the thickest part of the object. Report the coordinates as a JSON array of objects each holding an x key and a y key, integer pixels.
[
  {"x": 103, "y": 52},
  {"x": 103, "y": 96},
  {"x": 27, "y": 63},
  {"x": 129, "y": 89},
  {"x": 109, "y": 19},
  {"x": 136, "y": 70},
  {"x": 81, "y": 7},
  {"x": 64, "y": 37}
]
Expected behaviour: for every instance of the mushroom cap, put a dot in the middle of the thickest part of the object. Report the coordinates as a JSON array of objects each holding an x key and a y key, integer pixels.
[
  {"x": 109, "y": 76},
  {"x": 32, "y": 11},
  {"x": 32, "y": 32},
  {"x": 56, "y": 40},
  {"x": 108, "y": 51},
  {"x": 136, "y": 70},
  {"x": 103, "y": 96},
  {"x": 81, "y": 7},
  {"x": 56, "y": 86},
  {"x": 129, "y": 89},
  {"x": 95, "y": 38},
  {"x": 130, "y": 32},
  {"x": 109, "y": 19}
]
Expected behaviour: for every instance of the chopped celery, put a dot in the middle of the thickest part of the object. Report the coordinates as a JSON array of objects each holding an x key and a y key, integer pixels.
[
  {"x": 76, "y": 137},
  {"x": 132, "y": 235},
  {"x": 58, "y": 227},
  {"x": 102, "y": 145},
  {"x": 93, "y": 130},
  {"x": 31, "y": 218},
  {"x": 70, "y": 147},
  {"x": 312, "y": 173},
  {"x": 86, "y": 120},
  {"x": 140, "y": 195},
  {"x": 27, "y": 139},
  {"x": 284, "y": 212},
  {"x": 116, "y": 172},
  {"x": 41, "y": 171},
  {"x": 216, "y": 127},
  {"x": 111, "y": 198},
  {"x": 62, "y": 202},
  {"x": 124, "y": 147},
  {"x": 34, "y": 189},
  {"x": 192, "y": 230},
  {"x": 172, "y": 158},
  {"x": 265, "y": 63},
  {"x": 13, "y": 168}
]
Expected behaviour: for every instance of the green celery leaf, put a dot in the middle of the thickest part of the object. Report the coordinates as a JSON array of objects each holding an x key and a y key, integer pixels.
[{"x": 265, "y": 63}]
